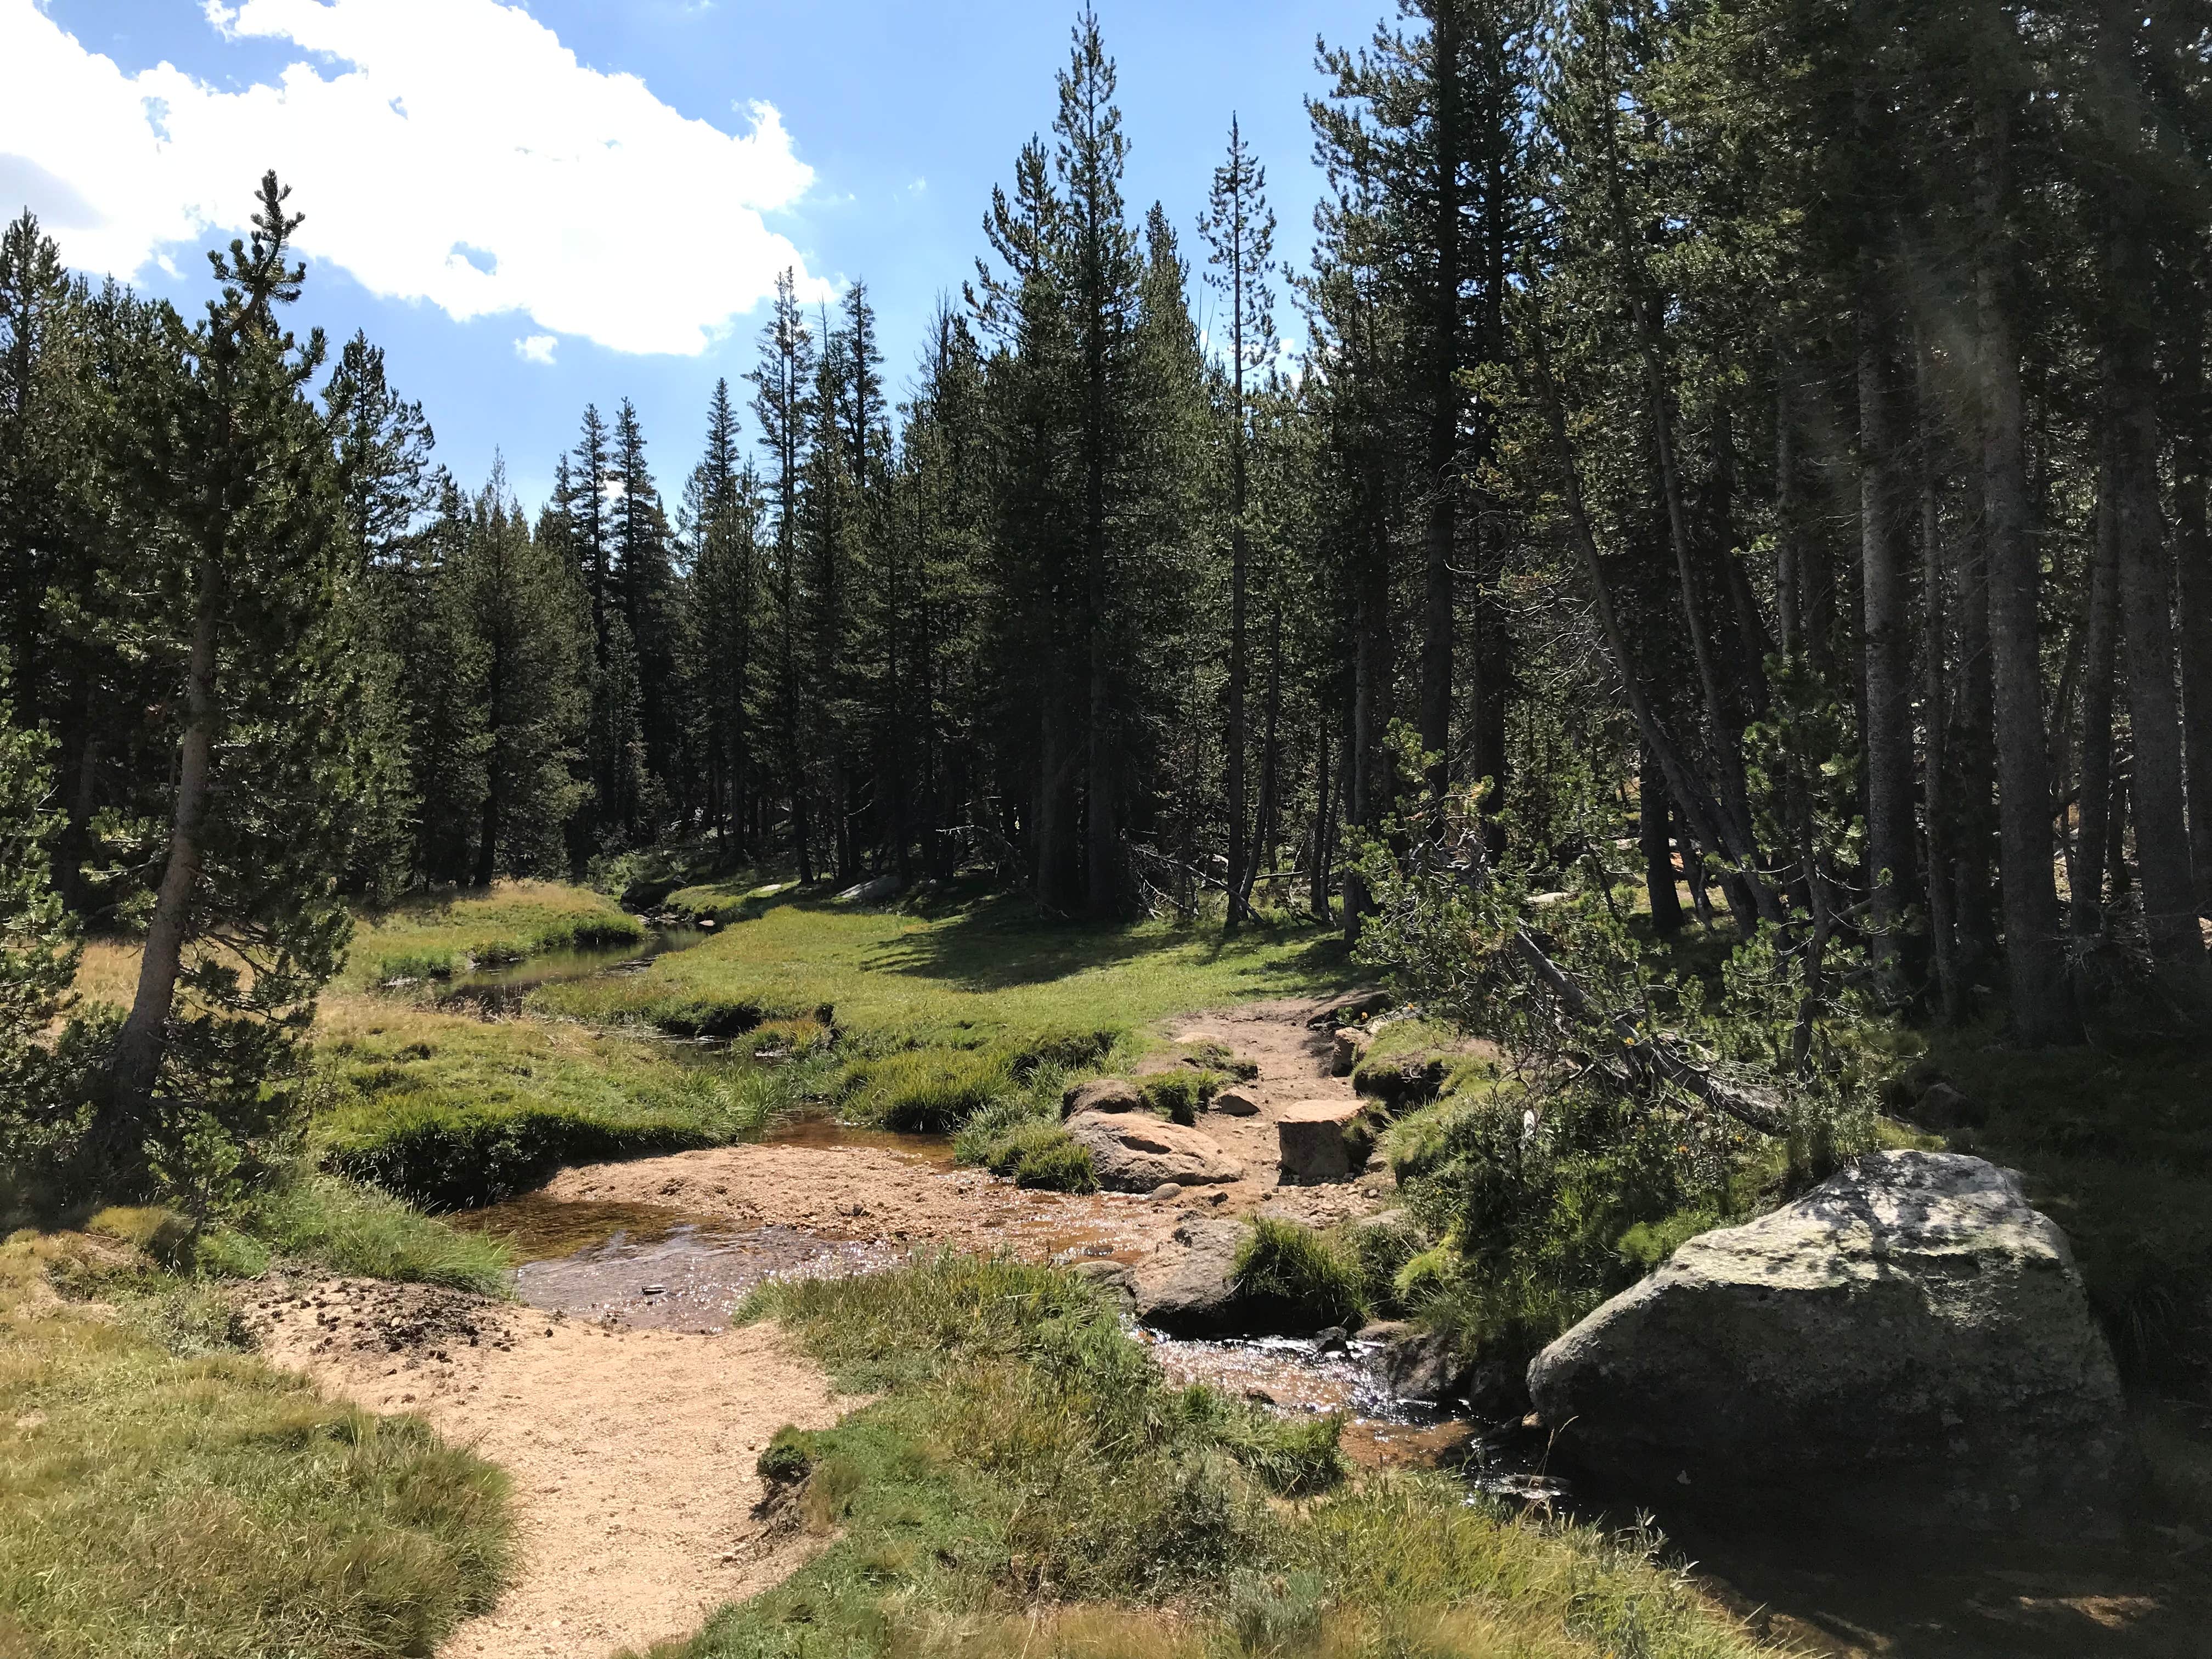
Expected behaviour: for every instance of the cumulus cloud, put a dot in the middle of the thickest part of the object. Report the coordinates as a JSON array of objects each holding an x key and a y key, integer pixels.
[
  {"x": 448, "y": 151},
  {"x": 536, "y": 348}
]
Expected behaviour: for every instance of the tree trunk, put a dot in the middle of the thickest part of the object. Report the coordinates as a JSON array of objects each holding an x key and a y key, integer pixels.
[
  {"x": 1887, "y": 637},
  {"x": 1240, "y": 861},
  {"x": 1370, "y": 709},
  {"x": 2192, "y": 550},
  {"x": 1657, "y": 845},
  {"x": 1438, "y": 621},
  {"x": 1707, "y": 818},
  {"x": 2155, "y": 791},
  {"x": 2085, "y": 851},
  {"x": 144, "y": 1041},
  {"x": 1950, "y": 991},
  {"x": 2042, "y": 1002}
]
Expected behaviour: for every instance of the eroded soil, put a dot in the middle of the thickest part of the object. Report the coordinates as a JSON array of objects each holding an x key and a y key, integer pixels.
[{"x": 631, "y": 1451}]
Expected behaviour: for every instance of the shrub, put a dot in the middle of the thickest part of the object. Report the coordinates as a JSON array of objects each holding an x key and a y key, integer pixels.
[{"x": 1283, "y": 1262}]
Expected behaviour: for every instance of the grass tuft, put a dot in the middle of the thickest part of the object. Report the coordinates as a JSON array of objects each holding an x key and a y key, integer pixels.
[
  {"x": 1025, "y": 1484},
  {"x": 1286, "y": 1262}
]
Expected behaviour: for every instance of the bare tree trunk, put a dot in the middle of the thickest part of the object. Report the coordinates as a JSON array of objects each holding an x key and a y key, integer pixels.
[
  {"x": 2042, "y": 1003},
  {"x": 144, "y": 1041},
  {"x": 1438, "y": 621},
  {"x": 2085, "y": 851},
  {"x": 1658, "y": 846},
  {"x": 1323, "y": 830},
  {"x": 1371, "y": 707},
  {"x": 1971, "y": 746},
  {"x": 1887, "y": 637},
  {"x": 2155, "y": 792},
  {"x": 1707, "y": 818},
  {"x": 2192, "y": 551},
  {"x": 1950, "y": 991}
]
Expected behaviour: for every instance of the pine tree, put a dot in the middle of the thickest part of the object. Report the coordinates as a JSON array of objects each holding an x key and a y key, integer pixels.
[
  {"x": 242, "y": 607},
  {"x": 1240, "y": 231},
  {"x": 515, "y": 604},
  {"x": 783, "y": 387}
]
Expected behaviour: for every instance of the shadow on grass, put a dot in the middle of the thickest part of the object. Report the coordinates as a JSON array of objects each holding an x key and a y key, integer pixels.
[{"x": 1000, "y": 943}]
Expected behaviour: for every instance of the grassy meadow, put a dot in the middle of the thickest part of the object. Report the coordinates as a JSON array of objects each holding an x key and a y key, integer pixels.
[{"x": 969, "y": 974}]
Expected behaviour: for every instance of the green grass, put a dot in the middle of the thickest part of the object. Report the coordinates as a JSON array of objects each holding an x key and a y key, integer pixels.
[
  {"x": 1026, "y": 1483},
  {"x": 162, "y": 1496},
  {"x": 1413, "y": 1062},
  {"x": 985, "y": 973},
  {"x": 1282, "y": 1261},
  {"x": 449, "y": 1111},
  {"x": 915, "y": 1022},
  {"x": 430, "y": 937}
]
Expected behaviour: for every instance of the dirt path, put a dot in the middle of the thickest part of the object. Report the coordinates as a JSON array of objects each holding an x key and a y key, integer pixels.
[
  {"x": 876, "y": 1192},
  {"x": 631, "y": 1451}
]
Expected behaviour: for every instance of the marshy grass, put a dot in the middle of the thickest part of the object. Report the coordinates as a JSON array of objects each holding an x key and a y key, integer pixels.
[
  {"x": 207, "y": 1507},
  {"x": 1027, "y": 1483}
]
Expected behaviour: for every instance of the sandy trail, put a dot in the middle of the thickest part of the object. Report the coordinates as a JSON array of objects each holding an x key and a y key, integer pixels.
[{"x": 631, "y": 1451}]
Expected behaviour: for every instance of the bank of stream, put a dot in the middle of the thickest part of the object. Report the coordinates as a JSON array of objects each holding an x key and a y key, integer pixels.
[{"x": 672, "y": 1244}]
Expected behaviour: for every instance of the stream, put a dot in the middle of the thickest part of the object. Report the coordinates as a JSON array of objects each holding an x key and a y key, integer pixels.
[{"x": 499, "y": 988}]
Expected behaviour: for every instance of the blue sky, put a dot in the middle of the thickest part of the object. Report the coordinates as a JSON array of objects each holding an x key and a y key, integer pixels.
[{"x": 535, "y": 206}]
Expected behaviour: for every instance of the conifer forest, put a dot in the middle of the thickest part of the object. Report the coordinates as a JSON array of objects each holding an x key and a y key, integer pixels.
[{"x": 1784, "y": 421}]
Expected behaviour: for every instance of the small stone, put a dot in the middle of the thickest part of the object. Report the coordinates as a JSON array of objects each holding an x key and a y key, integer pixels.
[
  {"x": 1239, "y": 1102},
  {"x": 1167, "y": 1189}
]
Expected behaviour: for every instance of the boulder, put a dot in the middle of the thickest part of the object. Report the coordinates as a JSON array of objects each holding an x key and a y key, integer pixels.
[
  {"x": 1189, "y": 1288},
  {"x": 1237, "y": 1101},
  {"x": 1422, "y": 1367},
  {"x": 870, "y": 892},
  {"x": 1135, "y": 1152},
  {"x": 1102, "y": 1094},
  {"x": 1944, "y": 1110},
  {"x": 1108, "y": 1276},
  {"x": 1908, "y": 1338},
  {"x": 1346, "y": 1049},
  {"x": 1322, "y": 1139}
]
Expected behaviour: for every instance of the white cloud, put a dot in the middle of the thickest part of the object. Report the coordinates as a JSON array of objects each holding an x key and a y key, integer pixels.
[
  {"x": 538, "y": 349},
  {"x": 452, "y": 151}
]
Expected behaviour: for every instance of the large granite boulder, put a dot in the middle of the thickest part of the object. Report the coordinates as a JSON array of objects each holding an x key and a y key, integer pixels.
[
  {"x": 1908, "y": 1338},
  {"x": 1136, "y": 1152}
]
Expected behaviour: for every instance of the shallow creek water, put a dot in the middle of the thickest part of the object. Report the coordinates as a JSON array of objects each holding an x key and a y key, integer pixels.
[{"x": 499, "y": 988}]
